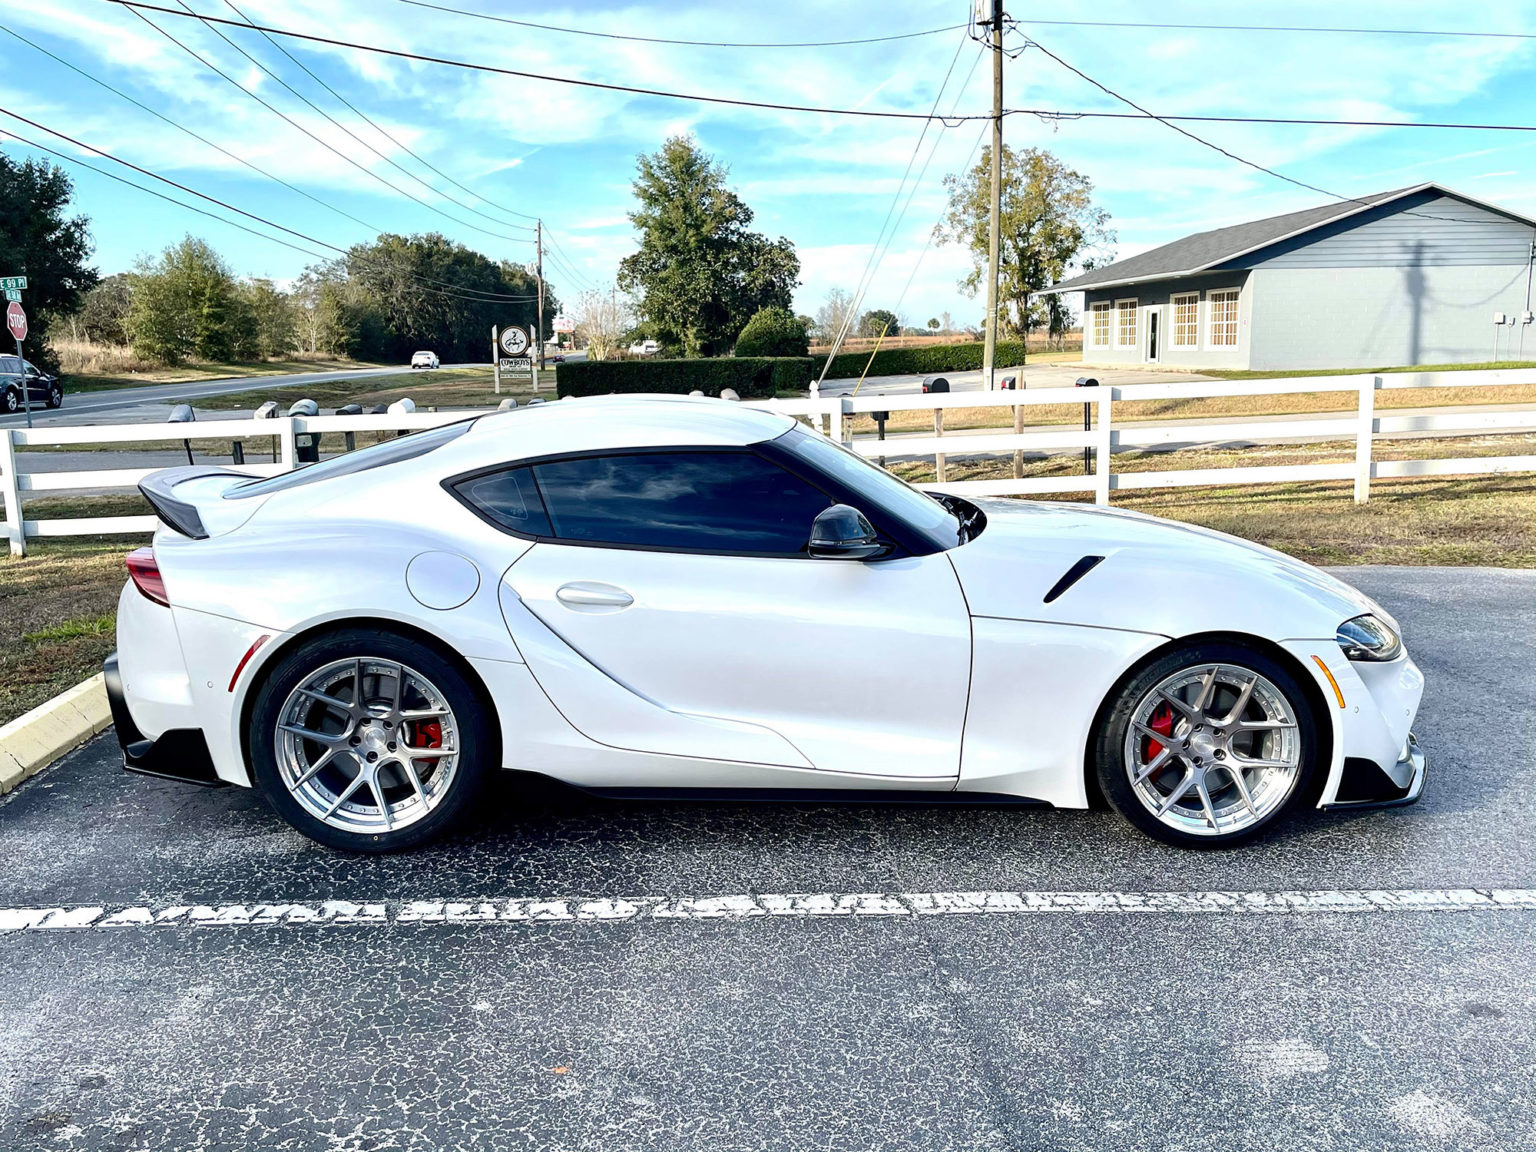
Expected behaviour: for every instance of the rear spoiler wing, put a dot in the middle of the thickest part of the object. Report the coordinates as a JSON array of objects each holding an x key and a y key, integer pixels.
[{"x": 159, "y": 489}]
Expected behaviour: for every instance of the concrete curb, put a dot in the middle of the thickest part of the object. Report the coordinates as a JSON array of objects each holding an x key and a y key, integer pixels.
[{"x": 31, "y": 742}]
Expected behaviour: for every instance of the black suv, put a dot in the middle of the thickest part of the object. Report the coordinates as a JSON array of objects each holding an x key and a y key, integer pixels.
[{"x": 42, "y": 388}]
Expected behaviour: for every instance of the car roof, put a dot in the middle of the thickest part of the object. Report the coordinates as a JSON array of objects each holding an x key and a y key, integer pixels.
[{"x": 597, "y": 423}]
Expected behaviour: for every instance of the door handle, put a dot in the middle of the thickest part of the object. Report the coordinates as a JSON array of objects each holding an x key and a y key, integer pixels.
[{"x": 588, "y": 594}]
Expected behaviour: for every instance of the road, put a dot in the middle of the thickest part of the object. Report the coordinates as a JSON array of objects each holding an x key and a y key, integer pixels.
[
  {"x": 153, "y": 402},
  {"x": 1041, "y": 375},
  {"x": 1196, "y": 1031}
]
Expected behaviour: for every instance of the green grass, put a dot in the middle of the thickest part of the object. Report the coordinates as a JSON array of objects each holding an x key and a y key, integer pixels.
[
  {"x": 1235, "y": 374},
  {"x": 102, "y": 625}
]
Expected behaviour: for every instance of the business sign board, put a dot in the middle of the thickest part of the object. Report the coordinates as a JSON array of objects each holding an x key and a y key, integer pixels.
[
  {"x": 515, "y": 341},
  {"x": 564, "y": 324},
  {"x": 516, "y": 369}
]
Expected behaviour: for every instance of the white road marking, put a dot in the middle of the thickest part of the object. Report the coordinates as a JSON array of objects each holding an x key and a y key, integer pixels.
[{"x": 802, "y": 905}]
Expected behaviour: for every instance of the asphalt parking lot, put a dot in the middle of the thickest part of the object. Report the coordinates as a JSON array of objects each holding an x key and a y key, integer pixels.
[{"x": 574, "y": 1021}]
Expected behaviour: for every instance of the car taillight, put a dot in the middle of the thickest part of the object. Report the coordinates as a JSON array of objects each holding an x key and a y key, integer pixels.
[{"x": 145, "y": 573}]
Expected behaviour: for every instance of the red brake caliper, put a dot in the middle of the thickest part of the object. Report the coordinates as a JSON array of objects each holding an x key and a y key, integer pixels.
[
  {"x": 1161, "y": 723},
  {"x": 429, "y": 734}
]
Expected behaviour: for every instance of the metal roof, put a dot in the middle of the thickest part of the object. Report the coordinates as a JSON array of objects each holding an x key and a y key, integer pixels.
[{"x": 1205, "y": 250}]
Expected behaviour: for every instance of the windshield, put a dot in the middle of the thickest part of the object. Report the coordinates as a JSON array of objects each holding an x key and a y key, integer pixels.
[
  {"x": 375, "y": 456},
  {"x": 882, "y": 490}
]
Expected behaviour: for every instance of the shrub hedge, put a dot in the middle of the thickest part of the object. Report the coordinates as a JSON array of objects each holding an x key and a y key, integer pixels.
[
  {"x": 753, "y": 377},
  {"x": 922, "y": 361},
  {"x": 760, "y": 377}
]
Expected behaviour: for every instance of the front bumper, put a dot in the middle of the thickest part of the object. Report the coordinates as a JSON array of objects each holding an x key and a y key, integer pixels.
[
  {"x": 179, "y": 754},
  {"x": 1365, "y": 784}
]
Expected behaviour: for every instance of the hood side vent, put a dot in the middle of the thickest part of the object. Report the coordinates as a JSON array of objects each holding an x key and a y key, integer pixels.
[{"x": 1072, "y": 575}]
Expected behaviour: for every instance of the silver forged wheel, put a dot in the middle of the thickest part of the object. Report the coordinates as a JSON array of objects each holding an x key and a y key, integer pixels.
[
  {"x": 1213, "y": 749},
  {"x": 367, "y": 745}
]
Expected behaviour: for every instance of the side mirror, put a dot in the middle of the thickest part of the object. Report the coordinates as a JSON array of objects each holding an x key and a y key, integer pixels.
[{"x": 842, "y": 533}]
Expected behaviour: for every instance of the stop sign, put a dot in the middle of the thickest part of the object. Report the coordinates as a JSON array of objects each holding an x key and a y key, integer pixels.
[{"x": 16, "y": 320}]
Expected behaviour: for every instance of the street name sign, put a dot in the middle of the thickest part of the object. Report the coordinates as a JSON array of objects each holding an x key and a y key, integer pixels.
[{"x": 13, "y": 283}]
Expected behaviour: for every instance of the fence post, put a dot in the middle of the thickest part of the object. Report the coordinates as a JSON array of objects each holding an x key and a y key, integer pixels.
[
  {"x": 1365, "y": 434},
  {"x": 940, "y": 471},
  {"x": 1018, "y": 430},
  {"x": 1103, "y": 442},
  {"x": 10, "y": 491},
  {"x": 286, "y": 430},
  {"x": 845, "y": 421}
]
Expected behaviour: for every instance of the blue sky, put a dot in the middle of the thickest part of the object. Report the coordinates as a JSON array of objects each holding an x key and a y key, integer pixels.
[{"x": 567, "y": 154}]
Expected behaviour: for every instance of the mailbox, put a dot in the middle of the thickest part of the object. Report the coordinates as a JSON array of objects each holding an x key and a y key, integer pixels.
[
  {"x": 267, "y": 411},
  {"x": 935, "y": 384},
  {"x": 507, "y": 405},
  {"x": 1010, "y": 382},
  {"x": 304, "y": 408},
  {"x": 729, "y": 394}
]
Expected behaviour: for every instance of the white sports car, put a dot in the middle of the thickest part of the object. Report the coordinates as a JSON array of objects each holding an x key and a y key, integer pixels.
[{"x": 637, "y": 595}]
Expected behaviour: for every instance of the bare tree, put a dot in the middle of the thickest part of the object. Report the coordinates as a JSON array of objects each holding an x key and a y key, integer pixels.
[
  {"x": 602, "y": 318},
  {"x": 835, "y": 311}
]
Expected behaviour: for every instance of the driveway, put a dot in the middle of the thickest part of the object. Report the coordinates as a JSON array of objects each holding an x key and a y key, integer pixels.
[{"x": 606, "y": 1005}]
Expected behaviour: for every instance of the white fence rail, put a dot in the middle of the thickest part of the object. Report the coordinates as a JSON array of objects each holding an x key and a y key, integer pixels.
[{"x": 833, "y": 416}]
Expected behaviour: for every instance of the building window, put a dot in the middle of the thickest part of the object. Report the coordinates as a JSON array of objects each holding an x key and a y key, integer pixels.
[
  {"x": 1222, "y": 307},
  {"x": 1125, "y": 323},
  {"x": 1186, "y": 320},
  {"x": 1098, "y": 331}
]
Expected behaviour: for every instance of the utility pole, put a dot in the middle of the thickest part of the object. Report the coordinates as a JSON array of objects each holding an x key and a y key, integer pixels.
[
  {"x": 538, "y": 319},
  {"x": 994, "y": 212}
]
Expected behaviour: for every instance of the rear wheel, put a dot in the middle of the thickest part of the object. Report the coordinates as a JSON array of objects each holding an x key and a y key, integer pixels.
[
  {"x": 368, "y": 741},
  {"x": 10, "y": 401},
  {"x": 1208, "y": 745}
]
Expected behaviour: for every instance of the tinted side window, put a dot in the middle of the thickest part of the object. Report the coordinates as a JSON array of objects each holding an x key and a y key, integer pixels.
[
  {"x": 699, "y": 501},
  {"x": 508, "y": 498}
]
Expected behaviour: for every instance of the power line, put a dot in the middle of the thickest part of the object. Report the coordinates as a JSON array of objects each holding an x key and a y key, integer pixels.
[
  {"x": 1442, "y": 32},
  {"x": 876, "y": 254},
  {"x": 388, "y": 136},
  {"x": 1217, "y": 147},
  {"x": 289, "y": 120},
  {"x": 950, "y": 120},
  {"x": 183, "y": 128},
  {"x": 688, "y": 43},
  {"x": 460, "y": 290},
  {"x": 136, "y": 5}
]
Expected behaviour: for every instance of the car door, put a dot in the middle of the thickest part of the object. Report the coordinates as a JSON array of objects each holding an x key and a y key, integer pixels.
[{"x": 683, "y": 575}]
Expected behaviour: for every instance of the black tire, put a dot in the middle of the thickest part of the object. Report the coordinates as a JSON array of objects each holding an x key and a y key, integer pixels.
[
  {"x": 11, "y": 402},
  {"x": 477, "y": 735},
  {"x": 1114, "y": 776},
  {"x": 55, "y": 396}
]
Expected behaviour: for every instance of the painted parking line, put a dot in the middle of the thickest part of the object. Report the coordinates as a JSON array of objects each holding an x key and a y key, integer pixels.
[{"x": 805, "y": 905}]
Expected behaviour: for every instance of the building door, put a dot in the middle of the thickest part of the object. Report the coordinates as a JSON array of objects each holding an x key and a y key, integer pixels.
[{"x": 1154, "y": 334}]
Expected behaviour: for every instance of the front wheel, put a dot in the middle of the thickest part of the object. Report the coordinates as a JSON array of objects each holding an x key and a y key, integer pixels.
[
  {"x": 368, "y": 741},
  {"x": 55, "y": 396},
  {"x": 10, "y": 402},
  {"x": 1208, "y": 745}
]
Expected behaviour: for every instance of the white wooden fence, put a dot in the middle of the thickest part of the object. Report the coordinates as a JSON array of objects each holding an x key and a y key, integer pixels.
[{"x": 833, "y": 416}]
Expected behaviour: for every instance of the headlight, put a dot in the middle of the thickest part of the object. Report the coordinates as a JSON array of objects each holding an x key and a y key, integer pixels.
[{"x": 1368, "y": 638}]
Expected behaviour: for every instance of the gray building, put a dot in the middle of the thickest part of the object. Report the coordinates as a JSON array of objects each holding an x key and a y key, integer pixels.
[{"x": 1413, "y": 276}]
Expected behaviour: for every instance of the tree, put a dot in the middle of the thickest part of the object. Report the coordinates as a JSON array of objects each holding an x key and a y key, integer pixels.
[
  {"x": 834, "y": 312},
  {"x": 602, "y": 318},
  {"x": 1048, "y": 222},
  {"x": 879, "y": 322},
  {"x": 773, "y": 332},
  {"x": 700, "y": 273},
  {"x": 38, "y": 241},
  {"x": 316, "y": 308},
  {"x": 186, "y": 304},
  {"x": 273, "y": 319},
  {"x": 933, "y": 324},
  {"x": 404, "y": 293},
  {"x": 949, "y": 324},
  {"x": 103, "y": 314}
]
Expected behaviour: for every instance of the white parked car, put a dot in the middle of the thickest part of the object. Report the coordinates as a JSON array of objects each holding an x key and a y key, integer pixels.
[
  {"x": 644, "y": 348},
  {"x": 633, "y": 594},
  {"x": 424, "y": 360}
]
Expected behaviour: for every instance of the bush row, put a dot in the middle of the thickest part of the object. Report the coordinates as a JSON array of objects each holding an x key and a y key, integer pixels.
[
  {"x": 752, "y": 377},
  {"x": 922, "y": 361},
  {"x": 760, "y": 377}
]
